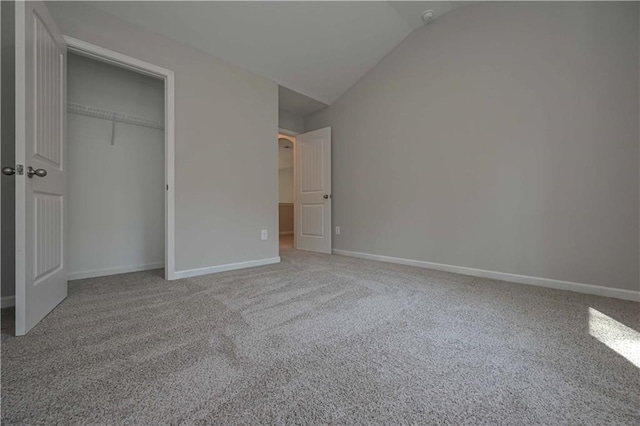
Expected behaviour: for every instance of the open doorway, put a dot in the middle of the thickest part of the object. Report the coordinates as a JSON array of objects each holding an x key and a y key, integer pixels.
[
  {"x": 115, "y": 163},
  {"x": 286, "y": 191},
  {"x": 41, "y": 171},
  {"x": 154, "y": 114},
  {"x": 304, "y": 175}
]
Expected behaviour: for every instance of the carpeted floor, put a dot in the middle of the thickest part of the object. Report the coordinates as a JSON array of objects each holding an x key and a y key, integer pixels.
[{"x": 319, "y": 339}]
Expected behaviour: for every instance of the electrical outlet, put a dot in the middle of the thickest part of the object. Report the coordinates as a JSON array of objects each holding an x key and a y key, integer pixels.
[
  {"x": 264, "y": 234},
  {"x": 337, "y": 230}
]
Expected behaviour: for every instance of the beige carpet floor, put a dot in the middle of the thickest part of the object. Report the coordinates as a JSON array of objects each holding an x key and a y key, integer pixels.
[{"x": 320, "y": 339}]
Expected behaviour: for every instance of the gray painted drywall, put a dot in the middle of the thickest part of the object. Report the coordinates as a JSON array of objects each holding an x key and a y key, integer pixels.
[
  {"x": 116, "y": 192},
  {"x": 296, "y": 103},
  {"x": 503, "y": 136},
  {"x": 8, "y": 150},
  {"x": 226, "y": 175},
  {"x": 289, "y": 121}
]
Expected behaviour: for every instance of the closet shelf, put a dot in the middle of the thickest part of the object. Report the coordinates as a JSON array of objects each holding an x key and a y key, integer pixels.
[{"x": 104, "y": 114}]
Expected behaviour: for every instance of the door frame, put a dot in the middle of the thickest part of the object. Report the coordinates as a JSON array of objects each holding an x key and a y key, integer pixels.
[
  {"x": 118, "y": 59},
  {"x": 292, "y": 134}
]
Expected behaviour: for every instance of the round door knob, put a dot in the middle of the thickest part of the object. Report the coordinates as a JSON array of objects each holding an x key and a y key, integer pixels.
[
  {"x": 326, "y": 196},
  {"x": 8, "y": 171},
  {"x": 38, "y": 172}
]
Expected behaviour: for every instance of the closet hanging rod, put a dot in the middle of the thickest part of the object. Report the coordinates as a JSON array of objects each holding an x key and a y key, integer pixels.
[{"x": 104, "y": 114}]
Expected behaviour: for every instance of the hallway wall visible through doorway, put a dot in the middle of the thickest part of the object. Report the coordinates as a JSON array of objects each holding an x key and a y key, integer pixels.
[{"x": 285, "y": 190}]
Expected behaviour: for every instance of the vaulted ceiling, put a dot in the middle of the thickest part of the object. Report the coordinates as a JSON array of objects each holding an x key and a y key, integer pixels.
[{"x": 318, "y": 49}]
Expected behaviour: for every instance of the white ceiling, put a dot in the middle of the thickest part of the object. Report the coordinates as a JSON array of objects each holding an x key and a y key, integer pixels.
[{"x": 318, "y": 49}]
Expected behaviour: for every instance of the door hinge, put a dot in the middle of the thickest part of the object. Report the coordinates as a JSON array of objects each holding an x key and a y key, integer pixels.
[{"x": 19, "y": 169}]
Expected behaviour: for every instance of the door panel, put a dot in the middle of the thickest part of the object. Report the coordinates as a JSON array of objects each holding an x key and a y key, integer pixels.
[
  {"x": 313, "y": 191},
  {"x": 47, "y": 236},
  {"x": 47, "y": 81},
  {"x": 41, "y": 276},
  {"x": 313, "y": 223},
  {"x": 312, "y": 165}
]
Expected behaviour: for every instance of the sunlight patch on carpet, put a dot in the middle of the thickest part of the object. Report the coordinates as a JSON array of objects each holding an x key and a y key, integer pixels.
[{"x": 616, "y": 336}]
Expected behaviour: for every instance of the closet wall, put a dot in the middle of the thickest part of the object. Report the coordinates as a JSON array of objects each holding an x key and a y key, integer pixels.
[{"x": 116, "y": 173}]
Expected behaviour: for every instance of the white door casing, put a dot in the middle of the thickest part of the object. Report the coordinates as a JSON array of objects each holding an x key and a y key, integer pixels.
[
  {"x": 41, "y": 276},
  {"x": 313, "y": 191},
  {"x": 118, "y": 59}
]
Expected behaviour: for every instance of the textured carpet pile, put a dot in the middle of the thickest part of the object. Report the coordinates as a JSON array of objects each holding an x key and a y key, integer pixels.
[{"x": 319, "y": 340}]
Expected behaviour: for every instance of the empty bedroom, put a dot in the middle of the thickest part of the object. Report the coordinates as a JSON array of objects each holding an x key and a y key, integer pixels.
[{"x": 309, "y": 212}]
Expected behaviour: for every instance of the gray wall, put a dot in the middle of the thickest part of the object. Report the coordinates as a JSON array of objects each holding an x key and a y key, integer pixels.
[
  {"x": 116, "y": 220},
  {"x": 226, "y": 127},
  {"x": 503, "y": 136},
  {"x": 289, "y": 121},
  {"x": 8, "y": 231}
]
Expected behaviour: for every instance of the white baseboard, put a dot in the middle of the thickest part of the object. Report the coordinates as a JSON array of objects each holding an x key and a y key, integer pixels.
[
  {"x": 113, "y": 271},
  {"x": 222, "y": 268},
  {"x": 286, "y": 233},
  {"x": 503, "y": 276},
  {"x": 7, "y": 301}
]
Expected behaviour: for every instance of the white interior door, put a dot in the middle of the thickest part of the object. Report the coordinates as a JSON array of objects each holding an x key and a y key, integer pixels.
[
  {"x": 41, "y": 276},
  {"x": 313, "y": 191}
]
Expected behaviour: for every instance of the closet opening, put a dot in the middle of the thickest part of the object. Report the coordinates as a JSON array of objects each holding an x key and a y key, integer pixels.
[{"x": 116, "y": 169}]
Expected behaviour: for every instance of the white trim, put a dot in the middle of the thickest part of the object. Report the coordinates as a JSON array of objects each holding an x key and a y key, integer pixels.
[
  {"x": 288, "y": 132},
  {"x": 2, "y": 162},
  {"x": 7, "y": 302},
  {"x": 118, "y": 59},
  {"x": 113, "y": 271},
  {"x": 115, "y": 58},
  {"x": 228, "y": 267},
  {"x": 170, "y": 164},
  {"x": 503, "y": 276},
  {"x": 20, "y": 157}
]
